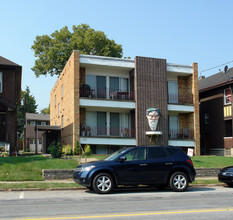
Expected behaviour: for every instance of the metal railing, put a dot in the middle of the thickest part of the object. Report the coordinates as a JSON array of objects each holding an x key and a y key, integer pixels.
[
  {"x": 106, "y": 93},
  {"x": 174, "y": 98},
  {"x": 184, "y": 133},
  {"x": 107, "y": 131}
]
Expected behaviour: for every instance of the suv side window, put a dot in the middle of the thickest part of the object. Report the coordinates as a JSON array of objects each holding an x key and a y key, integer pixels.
[
  {"x": 136, "y": 154},
  {"x": 156, "y": 153},
  {"x": 171, "y": 150}
]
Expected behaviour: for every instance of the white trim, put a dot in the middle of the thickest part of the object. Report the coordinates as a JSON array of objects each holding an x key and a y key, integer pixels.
[
  {"x": 106, "y": 61},
  {"x": 179, "y": 143},
  {"x": 180, "y": 108},
  {"x": 107, "y": 104},
  {"x": 179, "y": 68},
  {"x": 108, "y": 141}
]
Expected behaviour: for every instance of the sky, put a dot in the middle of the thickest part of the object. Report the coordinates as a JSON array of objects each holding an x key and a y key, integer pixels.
[{"x": 180, "y": 31}]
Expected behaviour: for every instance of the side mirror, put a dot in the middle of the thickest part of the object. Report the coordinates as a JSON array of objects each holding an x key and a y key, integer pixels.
[{"x": 122, "y": 158}]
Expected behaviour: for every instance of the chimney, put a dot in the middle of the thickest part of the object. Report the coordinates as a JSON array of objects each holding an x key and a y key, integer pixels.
[{"x": 201, "y": 77}]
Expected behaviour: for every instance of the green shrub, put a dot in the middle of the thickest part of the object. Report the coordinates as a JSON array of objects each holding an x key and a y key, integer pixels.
[
  {"x": 67, "y": 150},
  {"x": 88, "y": 150},
  {"x": 55, "y": 150},
  {"x": 77, "y": 148}
]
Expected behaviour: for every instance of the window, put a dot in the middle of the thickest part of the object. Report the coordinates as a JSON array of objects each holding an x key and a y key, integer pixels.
[
  {"x": 172, "y": 92},
  {"x": 31, "y": 141},
  {"x": 40, "y": 141},
  {"x": 207, "y": 118},
  {"x": 136, "y": 154},
  {"x": 156, "y": 153},
  {"x": 227, "y": 96},
  {"x": 62, "y": 121},
  {"x": 1, "y": 82},
  {"x": 58, "y": 109},
  {"x": 43, "y": 123},
  {"x": 32, "y": 123}
]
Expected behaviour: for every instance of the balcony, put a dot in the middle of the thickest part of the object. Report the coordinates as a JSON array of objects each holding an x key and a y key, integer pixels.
[
  {"x": 107, "y": 132},
  {"x": 88, "y": 92},
  {"x": 184, "y": 133},
  {"x": 174, "y": 98}
]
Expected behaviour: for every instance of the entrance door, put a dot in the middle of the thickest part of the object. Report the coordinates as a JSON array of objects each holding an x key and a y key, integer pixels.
[
  {"x": 101, "y": 123},
  {"x": 101, "y": 87},
  {"x": 2, "y": 127},
  {"x": 173, "y": 126},
  {"x": 172, "y": 92},
  {"x": 114, "y": 124}
]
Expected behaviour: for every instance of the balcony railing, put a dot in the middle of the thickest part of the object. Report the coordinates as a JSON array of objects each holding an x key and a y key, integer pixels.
[
  {"x": 107, "y": 131},
  {"x": 184, "y": 133},
  {"x": 106, "y": 93},
  {"x": 174, "y": 98}
]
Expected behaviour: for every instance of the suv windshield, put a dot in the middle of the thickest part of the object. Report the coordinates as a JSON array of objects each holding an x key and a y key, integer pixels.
[{"x": 116, "y": 154}]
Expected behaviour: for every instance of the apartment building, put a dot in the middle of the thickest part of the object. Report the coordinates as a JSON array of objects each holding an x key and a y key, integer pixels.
[
  {"x": 215, "y": 94},
  {"x": 102, "y": 101},
  {"x": 33, "y": 119},
  {"x": 10, "y": 89}
]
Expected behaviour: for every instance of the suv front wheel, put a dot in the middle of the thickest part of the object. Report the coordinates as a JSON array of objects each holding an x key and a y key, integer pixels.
[
  {"x": 103, "y": 183},
  {"x": 178, "y": 182}
]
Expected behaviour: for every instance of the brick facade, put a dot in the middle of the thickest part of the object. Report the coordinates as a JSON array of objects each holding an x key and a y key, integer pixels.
[
  {"x": 196, "y": 121},
  {"x": 68, "y": 104}
]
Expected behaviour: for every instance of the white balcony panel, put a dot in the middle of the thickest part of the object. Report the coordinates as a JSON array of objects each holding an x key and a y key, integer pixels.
[
  {"x": 175, "y": 68},
  {"x": 180, "y": 108},
  {"x": 108, "y": 141},
  {"x": 181, "y": 143},
  {"x": 106, "y": 61},
  {"x": 107, "y": 104}
]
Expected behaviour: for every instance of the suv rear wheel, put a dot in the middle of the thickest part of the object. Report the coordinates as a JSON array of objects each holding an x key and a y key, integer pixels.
[
  {"x": 103, "y": 183},
  {"x": 178, "y": 182}
]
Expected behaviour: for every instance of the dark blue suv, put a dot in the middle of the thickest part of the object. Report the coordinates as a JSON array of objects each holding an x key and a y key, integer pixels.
[{"x": 145, "y": 165}]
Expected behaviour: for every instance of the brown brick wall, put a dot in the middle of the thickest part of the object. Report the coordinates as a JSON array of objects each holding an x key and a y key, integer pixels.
[
  {"x": 69, "y": 103},
  {"x": 151, "y": 91},
  {"x": 196, "y": 121}
]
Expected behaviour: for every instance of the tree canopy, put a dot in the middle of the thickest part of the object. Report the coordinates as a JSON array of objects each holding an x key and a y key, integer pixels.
[
  {"x": 53, "y": 51},
  {"x": 27, "y": 104},
  {"x": 45, "y": 110}
]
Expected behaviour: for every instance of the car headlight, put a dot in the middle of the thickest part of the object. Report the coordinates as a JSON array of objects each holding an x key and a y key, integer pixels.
[
  {"x": 227, "y": 174},
  {"x": 84, "y": 169}
]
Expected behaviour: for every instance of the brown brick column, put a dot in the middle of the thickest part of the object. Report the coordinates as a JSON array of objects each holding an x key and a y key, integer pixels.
[
  {"x": 150, "y": 92},
  {"x": 196, "y": 109}
]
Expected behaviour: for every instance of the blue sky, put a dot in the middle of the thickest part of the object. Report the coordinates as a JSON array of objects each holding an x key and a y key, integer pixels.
[{"x": 182, "y": 32}]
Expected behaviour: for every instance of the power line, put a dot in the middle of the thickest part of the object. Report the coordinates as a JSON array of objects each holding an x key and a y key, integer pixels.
[{"x": 215, "y": 67}]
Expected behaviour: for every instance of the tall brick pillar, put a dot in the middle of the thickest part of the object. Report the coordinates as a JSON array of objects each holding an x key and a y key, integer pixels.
[{"x": 196, "y": 109}]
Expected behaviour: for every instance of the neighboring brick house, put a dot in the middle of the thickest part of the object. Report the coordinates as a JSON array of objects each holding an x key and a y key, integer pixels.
[
  {"x": 102, "y": 101},
  {"x": 215, "y": 94},
  {"x": 10, "y": 88},
  {"x": 32, "y": 120}
]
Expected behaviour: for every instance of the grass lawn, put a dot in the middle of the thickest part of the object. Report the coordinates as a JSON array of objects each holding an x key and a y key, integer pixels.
[
  {"x": 212, "y": 161},
  {"x": 30, "y": 167}
]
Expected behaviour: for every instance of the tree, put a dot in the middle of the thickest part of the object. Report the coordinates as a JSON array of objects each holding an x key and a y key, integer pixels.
[
  {"x": 45, "y": 110},
  {"x": 27, "y": 104},
  {"x": 53, "y": 51}
]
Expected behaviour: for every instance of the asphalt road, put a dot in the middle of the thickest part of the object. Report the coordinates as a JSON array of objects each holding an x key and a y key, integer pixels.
[{"x": 196, "y": 203}]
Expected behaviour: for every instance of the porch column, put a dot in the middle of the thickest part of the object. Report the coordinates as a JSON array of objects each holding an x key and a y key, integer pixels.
[{"x": 36, "y": 138}]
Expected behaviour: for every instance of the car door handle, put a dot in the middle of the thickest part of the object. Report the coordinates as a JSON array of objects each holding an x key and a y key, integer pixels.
[
  {"x": 168, "y": 163},
  {"x": 143, "y": 164}
]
